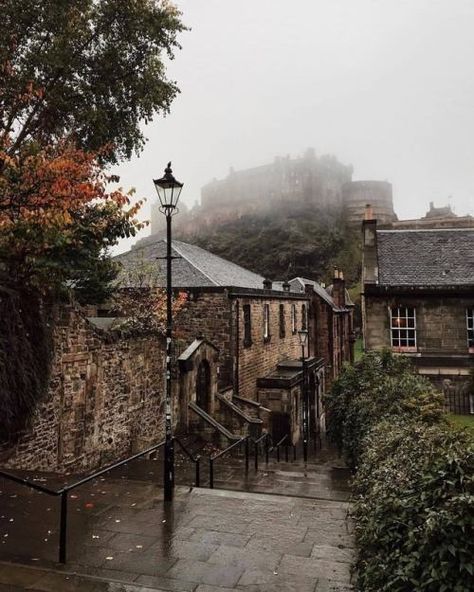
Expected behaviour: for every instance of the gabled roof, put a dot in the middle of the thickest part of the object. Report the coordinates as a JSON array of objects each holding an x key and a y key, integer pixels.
[
  {"x": 192, "y": 267},
  {"x": 298, "y": 285},
  {"x": 435, "y": 257}
]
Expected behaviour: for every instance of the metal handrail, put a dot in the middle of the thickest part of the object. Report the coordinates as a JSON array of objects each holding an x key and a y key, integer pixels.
[
  {"x": 28, "y": 483},
  {"x": 267, "y": 438},
  {"x": 277, "y": 447},
  {"x": 195, "y": 459},
  {"x": 64, "y": 491},
  {"x": 214, "y": 457}
]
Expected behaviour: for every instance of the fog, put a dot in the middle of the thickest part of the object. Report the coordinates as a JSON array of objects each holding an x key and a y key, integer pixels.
[{"x": 386, "y": 86}]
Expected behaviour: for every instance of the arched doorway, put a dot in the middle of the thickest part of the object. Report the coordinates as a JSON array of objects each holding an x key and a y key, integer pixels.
[{"x": 203, "y": 386}]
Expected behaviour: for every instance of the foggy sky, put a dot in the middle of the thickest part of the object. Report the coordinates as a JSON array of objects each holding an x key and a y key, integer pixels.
[{"x": 385, "y": 85}]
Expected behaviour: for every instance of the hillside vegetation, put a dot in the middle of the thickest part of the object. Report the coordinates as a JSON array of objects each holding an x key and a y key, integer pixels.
[{"x": 305, "y": 242}]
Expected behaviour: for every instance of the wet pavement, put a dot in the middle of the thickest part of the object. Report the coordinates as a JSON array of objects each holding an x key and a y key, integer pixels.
[{"x": 123, "y": 537}]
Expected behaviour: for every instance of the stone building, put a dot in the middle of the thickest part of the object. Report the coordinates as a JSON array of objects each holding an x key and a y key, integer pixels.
[
  {"x": 332, "y": 322},
  {"x": 418, "y": 300},
  {"x": 237, "y": 364},
  {"x": 435, "y": 217},
  {"x": 254, "y": 325},
  {"x": 286, "y": 183}
]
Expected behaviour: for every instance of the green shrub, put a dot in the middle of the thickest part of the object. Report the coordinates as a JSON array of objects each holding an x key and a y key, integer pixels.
[
  {"x": 381, "y": 385},
  {"x": 414, "y": 510},
  {"x": 414, "y": 484}
]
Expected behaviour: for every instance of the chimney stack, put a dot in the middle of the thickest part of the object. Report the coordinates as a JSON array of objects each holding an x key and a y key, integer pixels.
[
  {"x": 369, "y": 212},
  {"x": 267, "y": 284},
  {"x": 339, "y": 288}
]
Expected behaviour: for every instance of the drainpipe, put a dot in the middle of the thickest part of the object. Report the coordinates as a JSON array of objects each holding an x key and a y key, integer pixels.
[{"x": 237, "y": 347}]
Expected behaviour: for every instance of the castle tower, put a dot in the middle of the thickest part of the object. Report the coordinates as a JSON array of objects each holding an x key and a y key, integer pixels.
[{"x": 378, "y": 194}]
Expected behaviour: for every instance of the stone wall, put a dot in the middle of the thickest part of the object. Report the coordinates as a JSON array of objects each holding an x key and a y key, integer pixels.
[
  {"x": 218, "y": 317},
  {"x": 263, "y": 355},
  {"x": 105, "y": 401},
  {"x": 440, "y": 322},
  {"x": 208, "y": 314}
]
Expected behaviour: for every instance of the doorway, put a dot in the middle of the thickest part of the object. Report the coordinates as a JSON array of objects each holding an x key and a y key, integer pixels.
[{"x": 203, "y": 386}]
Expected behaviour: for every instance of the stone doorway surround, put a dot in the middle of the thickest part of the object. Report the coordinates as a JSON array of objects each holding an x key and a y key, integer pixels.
[{"x": 198, "y": 372}]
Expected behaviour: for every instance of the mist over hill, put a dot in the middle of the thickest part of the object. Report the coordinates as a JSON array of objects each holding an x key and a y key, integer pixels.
[{"x": 306, "y": 241}]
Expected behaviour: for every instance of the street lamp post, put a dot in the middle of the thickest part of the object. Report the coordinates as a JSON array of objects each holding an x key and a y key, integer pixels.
[
  {"x": 169, "y": 190},
  {"x": 303, "y": 335}
]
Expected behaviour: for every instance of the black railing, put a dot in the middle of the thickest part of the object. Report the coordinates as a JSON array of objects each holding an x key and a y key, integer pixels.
[
  {"x": 268, "y": 442},
  {"x": 195, "y": 459},
  {"x": 278, "y": 445},
  {"x": 64, "y": 491},
  {"x": 245, "y": 441}
]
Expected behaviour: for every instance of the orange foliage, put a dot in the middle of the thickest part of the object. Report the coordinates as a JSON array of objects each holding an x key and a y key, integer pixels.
[{"x": 46, "y": 185}]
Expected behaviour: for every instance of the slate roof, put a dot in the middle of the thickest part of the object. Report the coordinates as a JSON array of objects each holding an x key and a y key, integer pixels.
[
  {"x": 193, "y": 268},
  {"x": 435, "y": 257},
  {"x": 298, "y": 284}
]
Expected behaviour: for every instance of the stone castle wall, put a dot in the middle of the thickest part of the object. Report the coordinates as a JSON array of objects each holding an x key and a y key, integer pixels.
[{"x": 105, "y": 401}]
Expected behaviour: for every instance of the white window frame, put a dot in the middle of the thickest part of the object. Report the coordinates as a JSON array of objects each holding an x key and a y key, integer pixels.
[
  {"x": 403, "y": 322},
  {"x": 470, "y": 329}
]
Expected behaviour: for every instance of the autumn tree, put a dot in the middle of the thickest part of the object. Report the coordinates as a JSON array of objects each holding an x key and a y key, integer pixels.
[
  {"x": 87, "y": 70},
  {"x": 77, "y": 79}
]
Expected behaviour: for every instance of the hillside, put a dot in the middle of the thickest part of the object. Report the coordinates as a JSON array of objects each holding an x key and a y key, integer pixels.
[{"x": 304, "y": 242}]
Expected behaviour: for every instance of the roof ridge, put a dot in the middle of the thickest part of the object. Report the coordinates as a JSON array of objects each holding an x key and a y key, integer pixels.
[{"x": 400, "y": 230}]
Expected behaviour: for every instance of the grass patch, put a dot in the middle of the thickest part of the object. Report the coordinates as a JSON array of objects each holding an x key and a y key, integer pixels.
[
  {"x": 358, "y": 349},
  {"x": 463, "y": 421}
]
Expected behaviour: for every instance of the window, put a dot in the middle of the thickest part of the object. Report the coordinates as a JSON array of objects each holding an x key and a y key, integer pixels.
[
  {"x": 403, "y": 327},
  {"x": 470, "y": 329},
  {"x": 304, "y": 319},
  {"x": 282, "y": 321},
  {"x": 247, "y": 325},
  {"x": 266, "y": 322},
  {"x": 293, "y": 318}
]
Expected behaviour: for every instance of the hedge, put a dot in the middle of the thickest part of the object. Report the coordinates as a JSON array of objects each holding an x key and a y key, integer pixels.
[{"x": 413, "y": 485}]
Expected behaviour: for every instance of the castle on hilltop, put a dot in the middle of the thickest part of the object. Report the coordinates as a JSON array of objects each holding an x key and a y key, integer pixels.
[
  {"x": 285, "y": 183},
  {"x": 288, "y": 183}
]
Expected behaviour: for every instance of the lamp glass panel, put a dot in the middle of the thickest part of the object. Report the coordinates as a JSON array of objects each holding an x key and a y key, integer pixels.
[{"x": 303, "y": 337}]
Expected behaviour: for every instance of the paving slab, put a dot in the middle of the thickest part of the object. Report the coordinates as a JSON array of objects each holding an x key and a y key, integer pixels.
[{"x": 122, "y": 536}]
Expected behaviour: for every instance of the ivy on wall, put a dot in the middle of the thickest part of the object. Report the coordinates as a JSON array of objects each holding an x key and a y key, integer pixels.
[{"x": 25, "y": 357}]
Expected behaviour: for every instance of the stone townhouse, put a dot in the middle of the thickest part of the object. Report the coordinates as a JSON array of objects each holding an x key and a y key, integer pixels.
[
  {"x": 332, "y": 314},
  {"x": 418, "y": 300}
]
